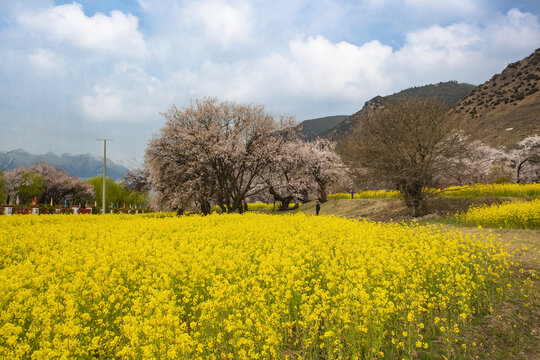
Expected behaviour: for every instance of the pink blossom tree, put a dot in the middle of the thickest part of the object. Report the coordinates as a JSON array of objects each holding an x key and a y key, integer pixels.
[
  {"x": 302, "y": 169},
  {"x": 526, "y": 160},
  {"x": 212, "y": 152},
  {"x": 57, "y": 184},
  {"x": 480, "y": 164},
  {"x": 323, "y": 164},
  {"x": 286, "y": 176}
]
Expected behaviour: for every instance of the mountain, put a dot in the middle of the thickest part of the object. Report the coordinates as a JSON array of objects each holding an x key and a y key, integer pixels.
[
  {"x": 312, "y": 128},
  {"x": 83, "y": 166},
  {"x": 451, "y": 93},
  {"x": 505, "y": 109}
]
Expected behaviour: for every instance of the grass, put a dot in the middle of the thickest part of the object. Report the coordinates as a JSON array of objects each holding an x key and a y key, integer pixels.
[{"x": 512, "y": 331}]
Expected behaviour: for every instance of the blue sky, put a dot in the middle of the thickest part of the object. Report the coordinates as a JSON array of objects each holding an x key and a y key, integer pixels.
[{"x": 74, "y": 71}]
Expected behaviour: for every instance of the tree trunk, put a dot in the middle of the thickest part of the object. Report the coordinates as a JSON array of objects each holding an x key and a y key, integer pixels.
[
  {"x": 535, "y": 159},
  {"x": 304, "y": 197},
  {"x": 518, "y": 172},
  {"x": 413, "y": 196},
  {"x": 322, "y": 193},
  {"x": 285, "y": 203},
  {"x": 205, "y": 207}
]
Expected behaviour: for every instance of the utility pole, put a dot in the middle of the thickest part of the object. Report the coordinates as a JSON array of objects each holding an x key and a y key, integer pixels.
[{"x": 103, "y": 203}]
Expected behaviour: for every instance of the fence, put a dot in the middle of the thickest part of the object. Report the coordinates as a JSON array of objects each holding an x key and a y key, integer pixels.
[{"x": 40, "y": 209}]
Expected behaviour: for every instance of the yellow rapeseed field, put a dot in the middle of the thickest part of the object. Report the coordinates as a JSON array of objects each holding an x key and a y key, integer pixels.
[
  {"x": 258, "y": 206},
  {"x": 474, "y": 191},
  {"x": 249, "y": 286},
  {"x": 367, "y": 194},
  {"x": 495, "y": 190},
  {"x": 517, "y": 215}
]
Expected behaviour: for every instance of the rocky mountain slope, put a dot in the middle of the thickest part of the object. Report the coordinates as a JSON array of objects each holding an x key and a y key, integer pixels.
[
  {"x": 83, "y": 166},
  {"x": 505, "y": 109},
  {"x": 451, "y": 93}
]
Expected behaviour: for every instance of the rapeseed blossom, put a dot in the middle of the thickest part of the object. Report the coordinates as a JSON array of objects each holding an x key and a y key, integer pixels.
[
  {"x": 518, "y": 215},
  {"x": 462, "y": 191},
  {"x": 249, "y": 286},
  {"x": 495, "y": 190}
]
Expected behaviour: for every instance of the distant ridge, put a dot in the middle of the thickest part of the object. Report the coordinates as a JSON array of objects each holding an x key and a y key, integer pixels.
[
  {"x": 83, "y": 166},
  {"x": 312, "y": 128},
  {"x": 450, "y": 93},
  {"x": 505, "y": 109}
]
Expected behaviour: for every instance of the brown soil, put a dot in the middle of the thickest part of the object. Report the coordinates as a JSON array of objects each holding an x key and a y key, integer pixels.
[{"x": 394, "y": 209}]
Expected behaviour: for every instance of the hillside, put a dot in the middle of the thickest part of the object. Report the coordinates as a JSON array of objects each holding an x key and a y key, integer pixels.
[
  {"x": 312, "y": 128},
  {"x": 82, "y": 166},
  {"x": 505, "y": 109},
  {"x": 451, "y": 93}
]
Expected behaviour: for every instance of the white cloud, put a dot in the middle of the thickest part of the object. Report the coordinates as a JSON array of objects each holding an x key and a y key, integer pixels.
[
  {"x": 515, "y": 32},
  {"x": 316, "y": 67},
  {"x": 103, "y": 105},
  {"x": 220, "y": 21},
  {"x": 129, "y": 94},
  {"x": 62, "y": 68},
  {"x": 46, "y": 62},
  {"x": 114, "y": 34},
  {"x": 464, "y": 52},
  {"x": 315, "y": 74},
  {"x": 438, "y": 46}
]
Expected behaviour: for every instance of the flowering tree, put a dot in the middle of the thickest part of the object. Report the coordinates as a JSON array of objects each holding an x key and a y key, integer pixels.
[
  {"x": 2, "y": 188},
  {"x": 526, "y": 159},
  {"x": 136, "y": 180},
  {"x": 483, "y": 163},
  {"x": 323, "y": 164},
  {"x": 45, "y": 183},
  {"x": 480, "y": 164},
  {"x": 301, "y": 169},
  {"x": 286, "y": 176},
  {"x": 212, "y": 151}
]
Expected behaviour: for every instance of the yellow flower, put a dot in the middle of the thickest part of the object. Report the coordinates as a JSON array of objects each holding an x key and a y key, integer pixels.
[{"x": 232, "y": 286}]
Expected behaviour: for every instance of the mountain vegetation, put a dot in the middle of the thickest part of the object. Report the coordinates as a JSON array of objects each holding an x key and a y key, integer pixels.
[
  {"x": 310, "y": 129},
  {"x": 506, "y": 109},
  {"x": 448, "y": 93}
]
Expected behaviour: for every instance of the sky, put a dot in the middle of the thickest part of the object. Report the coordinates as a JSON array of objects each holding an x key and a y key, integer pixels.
[{"x": 75, "y": 71}]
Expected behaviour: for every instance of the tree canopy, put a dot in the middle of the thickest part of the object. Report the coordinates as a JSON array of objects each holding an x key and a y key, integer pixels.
[
  {"x": 410, "y": 145},
  {"x": 223, "y": 153},
  {"x": 45, "y": 182},
  {"x": 117, "y": 193}
]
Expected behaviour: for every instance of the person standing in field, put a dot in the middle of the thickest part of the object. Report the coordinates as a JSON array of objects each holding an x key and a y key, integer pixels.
[{"x": 317, "y": 208}]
